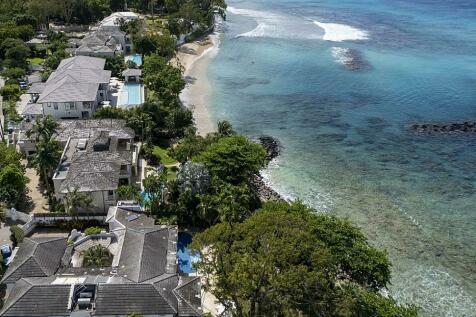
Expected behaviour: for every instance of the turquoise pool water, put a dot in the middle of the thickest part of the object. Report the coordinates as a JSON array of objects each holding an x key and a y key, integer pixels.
[
  {"x": 136, "y": 58},
  {"x": 134, "y": 93},
  {"x": 184, "y": 255}
]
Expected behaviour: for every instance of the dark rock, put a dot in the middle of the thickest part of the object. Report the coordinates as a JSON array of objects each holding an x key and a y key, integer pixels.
[
  {"x": 468, "y": 127},
  {"x": 265, "y": 192},
  {"x": 271, "y": 145}
]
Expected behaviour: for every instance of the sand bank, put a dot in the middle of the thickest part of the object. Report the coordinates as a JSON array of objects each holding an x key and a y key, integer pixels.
[{"x": 195, "y": 58}]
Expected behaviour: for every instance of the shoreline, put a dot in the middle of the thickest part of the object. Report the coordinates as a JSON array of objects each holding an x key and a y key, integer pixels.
[{"x": 195, "y": 57}]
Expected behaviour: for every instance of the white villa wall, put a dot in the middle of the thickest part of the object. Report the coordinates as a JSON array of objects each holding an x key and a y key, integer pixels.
[
  {"x": 59, "y": 109},
  {"x": 101, "y": 201}
]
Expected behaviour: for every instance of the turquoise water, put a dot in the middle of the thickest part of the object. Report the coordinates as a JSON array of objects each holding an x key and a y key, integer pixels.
[
  {"x": 136, "y": 58},
  {"x": 285, "y": 70},
  {"x": 134, "y": 93},
  {"x": 184, "y": 256}
]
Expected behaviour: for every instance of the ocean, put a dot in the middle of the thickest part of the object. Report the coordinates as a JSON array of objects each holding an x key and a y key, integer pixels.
[{"x": 338, "y": 83}]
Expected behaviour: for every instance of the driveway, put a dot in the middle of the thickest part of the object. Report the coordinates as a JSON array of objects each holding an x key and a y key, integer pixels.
[{"x": 5, "y": 234}]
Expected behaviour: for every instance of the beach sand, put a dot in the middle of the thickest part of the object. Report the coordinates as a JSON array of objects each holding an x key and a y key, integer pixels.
[{"x": 195, "y": 58}]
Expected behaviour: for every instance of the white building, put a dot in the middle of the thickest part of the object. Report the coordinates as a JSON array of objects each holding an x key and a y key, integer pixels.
[
  {"x": 74, "y": 90},
  {"x": 98, "y": 157}
]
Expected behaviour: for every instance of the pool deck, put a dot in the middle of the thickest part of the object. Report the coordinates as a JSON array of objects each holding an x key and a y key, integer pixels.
[{"x": 120, "y": 98}]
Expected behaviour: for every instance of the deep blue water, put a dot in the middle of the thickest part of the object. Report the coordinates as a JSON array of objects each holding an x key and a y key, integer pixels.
[
  {"x": 347, "y": 146},
  {"x": 184, "y": 255}
]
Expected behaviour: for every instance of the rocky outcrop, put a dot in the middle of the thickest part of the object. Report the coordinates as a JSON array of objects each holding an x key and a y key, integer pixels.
[
  {"x": 273, "y": 149},
  {"x": 265, "y": 192},
  {"x": 271, "y": 145},
  {"x": 468, "y": 127}
]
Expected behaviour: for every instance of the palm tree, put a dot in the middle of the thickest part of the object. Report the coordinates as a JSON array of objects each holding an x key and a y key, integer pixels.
[
  {"x": 225, "y": 128},
  {"x": 97, "y": 256},
  {"x": 46, "y": 158},
  {"x": 75, "y": 200},
  {"x": 43, "y": 129},
  {"x": 141, "y": 121}
]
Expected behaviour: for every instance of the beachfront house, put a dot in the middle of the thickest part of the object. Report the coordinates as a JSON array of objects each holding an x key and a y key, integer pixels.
[
  {"x": 49, "y": 277},
  {"x": 74, "y": 89},
  {"x": 108, "y": 39},
  {"x": 98, "y": 157}
]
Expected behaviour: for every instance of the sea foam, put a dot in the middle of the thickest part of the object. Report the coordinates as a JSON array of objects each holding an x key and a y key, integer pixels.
[
  {"x": 336, "y": 32},
  {"x": 280, "y": 26}
]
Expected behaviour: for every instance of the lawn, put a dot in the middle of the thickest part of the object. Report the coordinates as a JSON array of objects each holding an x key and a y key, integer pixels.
[
  {"x": 36, "y": 60},
  {"x": 165, "y": 159}
]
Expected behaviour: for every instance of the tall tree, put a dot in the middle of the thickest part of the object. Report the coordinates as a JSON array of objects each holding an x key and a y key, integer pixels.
[
  {"x": 285, "y": 261},
  {"x": 75, "y": 201},
  {"x": 43, "y": 129},
  {"x": 233, "y": 159},
  {"x": 46, "y": 159}
]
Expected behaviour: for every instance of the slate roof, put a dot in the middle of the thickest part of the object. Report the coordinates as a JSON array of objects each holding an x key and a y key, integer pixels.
[
  {"x": 76, "y": 79},
  {"x": 82, "y": 62},
  {"x": 189, "y": 304},
  {"x": 144, "y": 254},
  {"x": 95, "y": 171},
  {"x": 84, "y": 129},
  {"x": 132, "y": 72},
  {"x": 36, "y": 257},
  {"x": 143, "y": 283},
  {"x": 28, "y": 298},
  {"x": 120, "y": 299},
  {"x": 64, "y": 91},
  {"x": 32, "y": 109},
  {"x": 82, "y": 75},
  {"x": 37, "y": 88}
]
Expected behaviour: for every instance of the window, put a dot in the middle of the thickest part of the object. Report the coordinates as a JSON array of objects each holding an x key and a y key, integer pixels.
[
  {"x": 86, "y": 105},
  {"x": 55, "y": 105},
  {"x": 69, "y": 106},
  {"x": 110, "y": 195}
]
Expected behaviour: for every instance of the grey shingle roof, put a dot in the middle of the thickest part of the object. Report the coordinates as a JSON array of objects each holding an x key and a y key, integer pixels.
[
  {"x": 84, "y": 75},
  {"x": 144, "y": 254},
  {"x": 132, "y": 72},
  {"x": 137, "y": 222},
  {"x": 120, "y": 300},
  {"x": 30, "y": 299},
  {"x": 36, "y": 257},
  {"x": 76, "y": 79},
  {"x": 188, "y": 294},
  {"x": 36, "y": 88},
  {"x": 95, "y": 171},
  {"x": 84, "y": 129},
  {"x": 82, "y": 62},
  {"x": 67, "y": 91},
  {"x": 32, "y": 109}
]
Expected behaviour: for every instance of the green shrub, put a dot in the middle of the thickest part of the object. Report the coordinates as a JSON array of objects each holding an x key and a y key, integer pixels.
[
  {"x": 92, "y": 230},
  {"x": 17, "y": 235}
]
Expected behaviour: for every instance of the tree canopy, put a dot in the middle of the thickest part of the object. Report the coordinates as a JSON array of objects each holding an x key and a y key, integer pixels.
[
  {"x": 286, "y": 260},
  {"x": 12, "y": 176},
  {"x": 233, "y": 159}
]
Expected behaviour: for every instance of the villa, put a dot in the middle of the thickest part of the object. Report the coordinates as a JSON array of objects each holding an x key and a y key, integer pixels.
[
  {"x": 108, "y": 39},
  {"x": 74, "y": 90},
  {"x": 47, "y": 276},
  {"x": 105, "y": 43},
  {"x": 98, "y": 156}
]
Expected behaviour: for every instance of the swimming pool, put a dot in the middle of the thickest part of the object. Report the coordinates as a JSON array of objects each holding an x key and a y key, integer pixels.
[
  {"x": 131, "y": 94},
  {"x": 136, "y": 58},
  {"x": 184, "y": 255},
  {"x": 134, "y": 93}
]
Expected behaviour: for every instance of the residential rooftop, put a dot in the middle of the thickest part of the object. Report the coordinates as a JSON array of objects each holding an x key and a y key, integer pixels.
[{"x": 143, "y": 280}]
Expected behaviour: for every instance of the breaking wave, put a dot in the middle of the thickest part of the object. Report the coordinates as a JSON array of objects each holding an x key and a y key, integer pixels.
[
  {"x": 273, "y": 25},
  {"x": 336, "y": 32}
]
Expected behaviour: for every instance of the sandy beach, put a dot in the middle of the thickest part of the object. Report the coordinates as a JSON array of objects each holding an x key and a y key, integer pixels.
[{"x": 195, "y": 58}]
